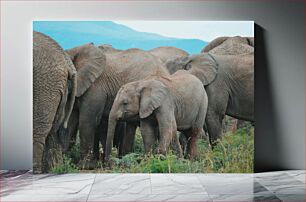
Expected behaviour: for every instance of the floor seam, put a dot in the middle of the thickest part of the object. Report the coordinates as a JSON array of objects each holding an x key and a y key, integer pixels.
[
  {"x": 91, "y": 187},
  {"x": 209, "y": 197},
  {"x": 150, "y": 183},
  {"x": 271, "y": 192}
]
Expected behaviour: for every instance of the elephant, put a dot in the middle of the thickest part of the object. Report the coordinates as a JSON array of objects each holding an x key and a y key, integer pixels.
[
  {"x": 163, "y": 53},
  {"x": 94, "y": 103},
  {"x": 54, "y": 91},
  {"x": 229, "y": 83},
  {"x": 163, "y": 104},
  {"x": 166, "y": 53},
  {"x": 230, "y": 46},
  {"x": 107, "y": 48}
]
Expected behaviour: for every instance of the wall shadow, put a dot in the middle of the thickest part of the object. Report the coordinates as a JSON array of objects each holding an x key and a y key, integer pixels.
[{"x": 267, "y": 152}]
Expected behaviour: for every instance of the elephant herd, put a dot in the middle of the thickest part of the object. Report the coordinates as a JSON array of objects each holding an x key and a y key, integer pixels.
[{"x": 104, "y": 94}]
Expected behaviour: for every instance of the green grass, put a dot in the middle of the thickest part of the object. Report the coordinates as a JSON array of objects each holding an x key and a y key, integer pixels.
[
  {"x": 66, "y": 167},
  {"x": 233, "y": 154}
]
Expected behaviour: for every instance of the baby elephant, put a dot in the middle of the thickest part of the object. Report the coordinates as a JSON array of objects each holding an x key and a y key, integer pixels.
[{"x": 163, "y": 105}]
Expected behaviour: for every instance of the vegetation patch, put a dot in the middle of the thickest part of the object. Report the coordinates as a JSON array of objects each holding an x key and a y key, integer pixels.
[{"x": 233, "y": 154}]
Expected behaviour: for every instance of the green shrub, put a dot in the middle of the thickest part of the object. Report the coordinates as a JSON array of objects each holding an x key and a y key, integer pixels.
[
  {"x": 74, "y": 153},
  {"x": 233, "y": 154},
  {"x": 138, "y": 144},
  {"x": 66, "y": 167}
]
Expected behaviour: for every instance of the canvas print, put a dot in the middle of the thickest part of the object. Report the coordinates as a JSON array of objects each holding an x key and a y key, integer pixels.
[{"x": 143, "y": 96}]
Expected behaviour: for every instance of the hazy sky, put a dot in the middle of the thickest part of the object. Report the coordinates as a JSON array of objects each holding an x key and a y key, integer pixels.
[{"x": 204, "y": 30}]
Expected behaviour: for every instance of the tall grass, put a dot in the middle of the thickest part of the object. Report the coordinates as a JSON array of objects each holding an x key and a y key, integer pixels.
[{"x": 233, "y": 154}]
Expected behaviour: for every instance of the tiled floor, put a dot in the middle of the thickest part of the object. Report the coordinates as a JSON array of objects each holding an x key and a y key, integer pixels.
[{"x": 274, "y": 186}]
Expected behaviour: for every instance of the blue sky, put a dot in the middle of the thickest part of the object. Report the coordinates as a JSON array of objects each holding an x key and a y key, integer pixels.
[
  {"x": 204, "y": 30},
  {"x": 191, "y": 36}
]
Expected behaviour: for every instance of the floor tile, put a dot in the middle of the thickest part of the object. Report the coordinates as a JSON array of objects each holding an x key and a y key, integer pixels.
[
  {"x": 12, "y": 183},
  {"x": 43, "y": 198},
  {"x": 118, "y": 184},
  {"x": 298, "y": 175},
  {"x": 245, "y": 198},
  {"x": 150, "y": 198},
  {"x": 287, "y": 186},
  {"x": 292, "y": 197},
  {"x": 216, "y": 184},
  {"x": 176, "y": 184},
  {"x": 51, "y": 184},
  {"x": 13, "y": 173},
  {"x": 282, "y": 183}
]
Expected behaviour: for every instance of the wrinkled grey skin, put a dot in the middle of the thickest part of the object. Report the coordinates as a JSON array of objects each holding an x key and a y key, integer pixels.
[
  {"x": 163, "y": 105},
  {"x": 54, "y": 90},
  {"x": 108, "y": 49},
  {"x": 229, "y": 83},
  {"x": 230, "y": 46},
  {"x": 94, "y": 104},
  {"x": 166, "y": 53}
]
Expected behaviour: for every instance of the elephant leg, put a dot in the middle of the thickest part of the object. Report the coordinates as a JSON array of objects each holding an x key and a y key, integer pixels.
[
  {"x": 69, "y": 140},
  {"x": 74, "y": 127},
  {"x": 194, "y": 133},
  {"x": 87, "y": 138},
  {"x": 38, "y": 147},
  {"x": 217, "y": 106},
  {"x": 90, "y": 117},
  {"x": 53, "y": 151},
  {"x": 102, "y": 134},
  {"x": 148, "y": 133},
  {"x": 214, "y": 126},
  {"x": 100, "y": 131},
  {"x": 176, "y": 146},
  {"x": 119, "y": 134},
  {"x": 183, "y": 142},
  {"x": 167, "y": 129},
  {"x": 53, "y": 154},
  {"x": 127, "y": 142}
]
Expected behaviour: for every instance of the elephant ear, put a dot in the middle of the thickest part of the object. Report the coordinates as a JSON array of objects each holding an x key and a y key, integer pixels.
[
  {"x": 251, "y": 41},
  {"x": 89, "y": 62},
  {"x": 177, "y": 64},
  {"x": 214, "y": 43},
  {"x": 152, "y": 94},
  {"x": 204, "y": 67}
]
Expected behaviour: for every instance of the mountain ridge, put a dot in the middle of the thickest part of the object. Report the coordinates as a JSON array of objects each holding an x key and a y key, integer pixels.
[{"x": 74, "y": 33}]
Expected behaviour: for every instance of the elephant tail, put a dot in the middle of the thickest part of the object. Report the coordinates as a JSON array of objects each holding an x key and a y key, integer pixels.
[{"x": 72, "y": 89}]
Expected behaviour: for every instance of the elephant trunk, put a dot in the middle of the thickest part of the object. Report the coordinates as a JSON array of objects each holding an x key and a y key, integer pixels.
[{"x": 112, "y": 122}]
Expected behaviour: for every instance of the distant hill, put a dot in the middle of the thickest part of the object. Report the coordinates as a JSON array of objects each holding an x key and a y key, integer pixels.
[{"x": 73, "y": 33}]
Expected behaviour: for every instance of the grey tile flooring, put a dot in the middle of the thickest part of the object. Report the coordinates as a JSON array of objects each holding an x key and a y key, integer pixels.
[
  {"x": 298, "y": 175},
  {"x": 282, "y": 183},
  {"x": 286, "y": 186},
  {"x": 178, "y": 184},
  {"x": 245, "y": 198},
  {"x": 53, "y": 184},
  {"x": 150, "y": 198},
  {"x": 291, "y": 197},
  {"x": 121, "y": 184},
  {"x": 39, "y": 198},
  {"x": 228, "y": 183}
]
